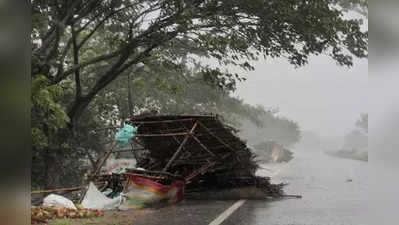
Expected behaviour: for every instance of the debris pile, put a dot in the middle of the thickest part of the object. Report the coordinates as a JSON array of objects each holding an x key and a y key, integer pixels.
[{"x": 201, "y": 149}]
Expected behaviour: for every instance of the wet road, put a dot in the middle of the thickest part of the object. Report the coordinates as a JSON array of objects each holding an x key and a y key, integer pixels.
[{"x": 328, "y": 198}]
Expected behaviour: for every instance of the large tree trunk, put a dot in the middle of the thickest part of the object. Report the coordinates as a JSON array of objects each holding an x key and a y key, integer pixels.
[
  {"x": 77, "y": 109},
  {"x": 51, "y": 173}
]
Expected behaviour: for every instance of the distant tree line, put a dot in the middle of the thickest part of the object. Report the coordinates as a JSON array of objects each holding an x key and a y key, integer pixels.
[
  {"x": 273, "y": 128},
  {"x": 357, "y": 139}
]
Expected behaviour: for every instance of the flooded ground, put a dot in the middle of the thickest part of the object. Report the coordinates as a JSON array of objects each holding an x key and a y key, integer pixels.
[{"x": 334, "y": 193}]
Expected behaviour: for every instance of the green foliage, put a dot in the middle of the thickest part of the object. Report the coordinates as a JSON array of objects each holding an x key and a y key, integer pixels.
[
  {"x": 173, "y": 89},
  {"x": 47, "y": 114},
  {"x": 274, "y": 128},
  {"x": 98, "y": 41},
  {"x": 48, "y": 124}
]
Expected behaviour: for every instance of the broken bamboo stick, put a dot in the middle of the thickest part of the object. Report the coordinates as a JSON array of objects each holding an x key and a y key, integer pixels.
[
  {"x": 59, "y": 190},
  {"x": 180, "y": 148},
  {"x": 105, "y": 158},
  {"x": 215, "y": 136}
]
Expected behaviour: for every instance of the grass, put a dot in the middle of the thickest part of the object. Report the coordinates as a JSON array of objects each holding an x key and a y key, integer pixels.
[{"x": 362, "y": 156}]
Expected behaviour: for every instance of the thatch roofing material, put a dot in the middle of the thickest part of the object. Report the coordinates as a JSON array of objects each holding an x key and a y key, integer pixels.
[{"x": 184, "y": 144}]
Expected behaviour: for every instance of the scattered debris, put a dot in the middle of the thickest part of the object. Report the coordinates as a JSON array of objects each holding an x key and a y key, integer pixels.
[
  {"x": 58, "y": 200},
  {"x": 43, "y": 214},
  {"x": 94, "y": 199}
]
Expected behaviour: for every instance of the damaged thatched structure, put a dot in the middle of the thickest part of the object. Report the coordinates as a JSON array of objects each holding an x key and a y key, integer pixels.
[
  {"x": 184, "y": 144},
  {"x": 200, "y": 148}
]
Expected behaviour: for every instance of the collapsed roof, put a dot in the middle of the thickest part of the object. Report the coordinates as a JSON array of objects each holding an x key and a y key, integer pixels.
[{"x": 189, "y": 145}]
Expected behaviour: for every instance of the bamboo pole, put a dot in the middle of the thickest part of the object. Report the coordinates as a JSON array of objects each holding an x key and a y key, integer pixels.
[
  {"x": 199, "y": 171},
  {"x": 203, "y": 169},
  {"x": 59, "y": 190},
  {"x": 199, "y": 142},
  {"x": 163, "y": 135},
  {"x": 202, "y": 145},
  {"x": 215, "y": 136},
  {"x": 161, "y": 121},
  {"x": 153, "y": 172},
  {"x": 180, "y": 147},
  {"x": 105, "y": 158}
]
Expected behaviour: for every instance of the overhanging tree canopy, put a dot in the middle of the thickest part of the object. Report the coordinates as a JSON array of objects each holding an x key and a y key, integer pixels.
[{"x": 72, "y": 38}]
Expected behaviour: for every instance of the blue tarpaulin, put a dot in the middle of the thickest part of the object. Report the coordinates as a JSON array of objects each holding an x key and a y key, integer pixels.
[{"x": 125, "y": 135}]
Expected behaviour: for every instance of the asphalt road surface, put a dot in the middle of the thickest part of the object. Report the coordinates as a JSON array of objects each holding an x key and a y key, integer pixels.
[{"x": 334, "y": 192}]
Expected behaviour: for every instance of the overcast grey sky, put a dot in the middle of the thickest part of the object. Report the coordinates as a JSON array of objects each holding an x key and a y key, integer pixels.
[{"x": 322, "y": 96}]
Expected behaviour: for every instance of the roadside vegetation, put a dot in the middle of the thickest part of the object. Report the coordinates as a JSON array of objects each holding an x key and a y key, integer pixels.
[
  {"x": 356, "y": 142},
  {"x": 350, "y": 154}
]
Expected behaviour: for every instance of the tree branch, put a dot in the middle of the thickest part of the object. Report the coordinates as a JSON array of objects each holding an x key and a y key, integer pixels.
[
  {"x": 59, "y": 25},
  {"x": 82, "y": 65},
  {"x": 60, "y": 67},
  {"x": 76, "y": 63}
]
